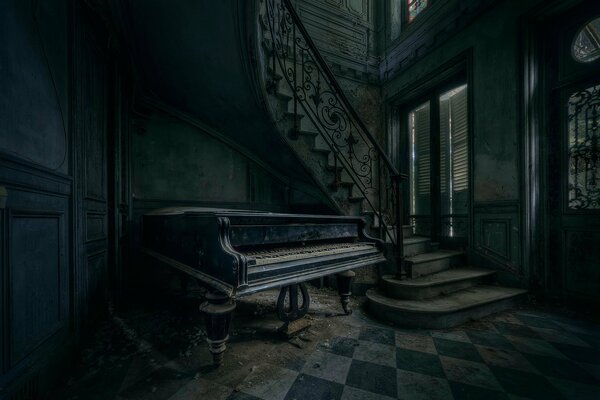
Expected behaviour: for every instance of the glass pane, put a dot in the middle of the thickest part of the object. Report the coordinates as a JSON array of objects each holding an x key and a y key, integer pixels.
[
  {"x": 420, "y": 162},
  {"x": 415, "y": 7},
  {"x": 586, "y": 46},
  {"x": 454, "y": 161},
  {"x": 584, "y": 149}
]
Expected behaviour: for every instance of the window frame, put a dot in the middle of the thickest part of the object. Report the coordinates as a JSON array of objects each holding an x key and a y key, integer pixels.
[
  {"x": 405, "y": 22},
  {"x": 432, "y": 96}
]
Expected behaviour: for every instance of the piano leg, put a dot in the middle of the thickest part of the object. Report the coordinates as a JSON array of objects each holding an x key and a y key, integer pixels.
[
  {"x": 217, "y": 315},
  {"x": 344, "y": 283}
]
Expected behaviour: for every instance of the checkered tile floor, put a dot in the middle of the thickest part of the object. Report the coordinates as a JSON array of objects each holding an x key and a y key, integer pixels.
[{"x": 512, "y": 355}]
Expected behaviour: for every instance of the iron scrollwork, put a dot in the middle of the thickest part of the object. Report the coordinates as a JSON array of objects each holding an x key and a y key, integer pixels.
[
  {"x": 584, "y": 149},
  {"x": 317, "y": 92}
]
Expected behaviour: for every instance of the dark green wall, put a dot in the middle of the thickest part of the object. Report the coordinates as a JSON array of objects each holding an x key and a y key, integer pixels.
[
  {"x": 177, "y": 161},
  {"x": 346, "y": 32},
  {"x": 173, "y": 160},
  {"x": 491, "y": 44}
]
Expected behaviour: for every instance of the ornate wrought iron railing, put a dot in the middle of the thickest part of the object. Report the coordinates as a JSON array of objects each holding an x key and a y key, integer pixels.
[{"x": 317, "y": 92}]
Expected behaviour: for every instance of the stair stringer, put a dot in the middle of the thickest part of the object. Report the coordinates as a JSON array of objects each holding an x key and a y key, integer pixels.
[{"x": 306, "y": 141}]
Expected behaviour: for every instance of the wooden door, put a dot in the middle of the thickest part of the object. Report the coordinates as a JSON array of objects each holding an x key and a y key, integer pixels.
[{"x": 573, "y": 173}]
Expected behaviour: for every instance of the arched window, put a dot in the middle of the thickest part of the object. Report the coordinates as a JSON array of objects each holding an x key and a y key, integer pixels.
[{"x": 586, "y": 45}]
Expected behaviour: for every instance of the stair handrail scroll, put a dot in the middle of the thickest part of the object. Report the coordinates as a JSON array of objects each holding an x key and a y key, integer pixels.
[{"x": 318, "y": 93}]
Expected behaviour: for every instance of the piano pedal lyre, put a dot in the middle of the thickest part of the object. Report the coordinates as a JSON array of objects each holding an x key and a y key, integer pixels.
[{"x": 294, "y": 311}]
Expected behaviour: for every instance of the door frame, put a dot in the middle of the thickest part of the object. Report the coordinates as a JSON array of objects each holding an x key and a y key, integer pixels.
[
  {"x": 458, "y": 69},
  {"x": 535, "y": 112}
]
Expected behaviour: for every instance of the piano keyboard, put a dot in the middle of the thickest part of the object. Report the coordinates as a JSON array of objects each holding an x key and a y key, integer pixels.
[{"x": 282, "y": 254}]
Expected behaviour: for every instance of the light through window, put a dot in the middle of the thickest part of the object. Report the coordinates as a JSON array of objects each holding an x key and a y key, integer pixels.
[
  {"x": 415, "y": 7},
  {"x": 586, "y": 46}
]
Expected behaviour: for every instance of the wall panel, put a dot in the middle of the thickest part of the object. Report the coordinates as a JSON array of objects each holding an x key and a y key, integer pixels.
[
  {"x": 34, "y": 258},
  {"x": 581, "y": 261},
  {"x": 497, "y": 237},
  {"x": 345, "y": 33},
  {"x": 90, "y": 104},
  {"x": 37, "y": 273},
  {"x": 34, "y": 82}
]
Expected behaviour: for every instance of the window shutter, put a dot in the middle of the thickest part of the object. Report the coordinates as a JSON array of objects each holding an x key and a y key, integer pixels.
[
  {"x": 420, "y": 162},
  {"x": 423, "y": 150},
  {"x": 459, "y": 145}
]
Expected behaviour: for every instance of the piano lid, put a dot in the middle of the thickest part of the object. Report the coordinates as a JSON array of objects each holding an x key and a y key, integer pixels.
[{"x": 228, "y": 212}]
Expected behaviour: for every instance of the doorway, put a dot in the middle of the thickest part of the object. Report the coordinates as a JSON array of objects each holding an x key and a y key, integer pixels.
[
  {"x": 437, "y": 151},
  {"x": 572, "y": 48}
]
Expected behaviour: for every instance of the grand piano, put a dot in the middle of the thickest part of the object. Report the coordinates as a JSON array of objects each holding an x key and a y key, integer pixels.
[{"x": 237, "y": 252}]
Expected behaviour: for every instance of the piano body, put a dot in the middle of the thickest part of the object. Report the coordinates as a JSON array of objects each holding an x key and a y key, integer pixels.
[{"x": 238, "y": 252}]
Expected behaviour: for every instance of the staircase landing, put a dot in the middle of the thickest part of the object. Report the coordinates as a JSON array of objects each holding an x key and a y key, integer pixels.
[{"x": 440, "y": 292}]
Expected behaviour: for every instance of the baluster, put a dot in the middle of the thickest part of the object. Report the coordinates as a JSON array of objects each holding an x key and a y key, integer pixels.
[
  {"x": 336, "y": 173},
  {"x": 273, "y": 36},
  {"x": 380, "y": 193},
  {"x": 296, "y": 131},
  {"x": 399, "y": 233}
]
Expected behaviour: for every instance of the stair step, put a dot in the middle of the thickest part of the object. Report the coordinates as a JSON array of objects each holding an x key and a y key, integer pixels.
[
  {"x": 291, "y": 115},
  {"x": 416, "y": 245},
  {"x": 444, "y": 311},
  {"x": 406, "y": 230},
  {"x": 434, "y": 285},
  {"x": 343, "y": 184},
  {"x": 432, "y": 262},
  {"x": 334, "y": 168},
  {"x": 356, "y": 199},
  {"x": 308, "y": 133},
  {"x": 319, "y": 150}
]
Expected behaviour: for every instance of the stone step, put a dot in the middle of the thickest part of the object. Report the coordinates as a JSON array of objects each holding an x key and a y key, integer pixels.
[
  {"x": 406, "y": 231},
  {"x": 432, "y": 262},
  {"x": 416, "y": 245},
  {"x": 429, "y": 286},
  {"x": 443, "y": 311}
]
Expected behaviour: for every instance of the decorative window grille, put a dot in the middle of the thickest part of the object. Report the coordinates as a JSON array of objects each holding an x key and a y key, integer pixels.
[{"x": 584, "y": 149}]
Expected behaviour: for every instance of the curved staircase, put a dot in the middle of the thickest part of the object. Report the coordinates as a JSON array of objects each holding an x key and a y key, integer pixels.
[
  {"x": 440, "y": 290},
  {"x": 430, "y": 287}
]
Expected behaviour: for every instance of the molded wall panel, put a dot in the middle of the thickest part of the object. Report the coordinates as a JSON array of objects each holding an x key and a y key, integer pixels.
[
  {"x": 97, "y": 283},
  {"x": 345, "y": 33},
  {"x": 33, "y": 61},
  {"x": 37, "y": 272},
  {"x": 497, "y": 238},
  {"x": 583, "y": 253},
  {"x": 3, "y": 292}
]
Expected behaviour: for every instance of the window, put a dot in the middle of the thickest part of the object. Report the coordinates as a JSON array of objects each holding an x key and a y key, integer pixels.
[
  {"x": 438, "y": 154},
  {"x": 415, "y": 7},
  {"x": 584, "y": 149},
  {"x": 586, "y": 46},
  {"x": 420, "y": 160},
  {"x": 403, "y": 12},
  {"x": 454, "y": 159}
]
